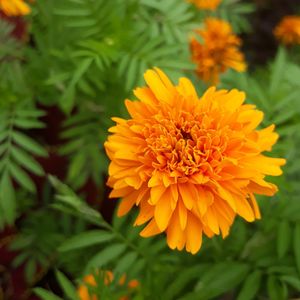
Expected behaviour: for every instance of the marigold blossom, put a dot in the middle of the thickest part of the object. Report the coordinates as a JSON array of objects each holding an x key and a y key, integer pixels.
[
  {"x": 190, "y": 164},
  {"x": 14, "y": 7},
  {"x": 206, "y": 4},
  {"x": 90, "y": 281},
  {"x": 288, "y": 30},
  {"x": 217, "y": 51}
]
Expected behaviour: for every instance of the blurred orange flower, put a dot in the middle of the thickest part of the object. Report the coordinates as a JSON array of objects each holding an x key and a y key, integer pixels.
[
  {"x": 217, "y": 51},
  {"x": 206, "y": 4},
  {"x": 14, "y": 7},
  {"x": 190, "y": 164},
  {"x": 89, "y": 280},
  {"x": 288, "y": 30}
]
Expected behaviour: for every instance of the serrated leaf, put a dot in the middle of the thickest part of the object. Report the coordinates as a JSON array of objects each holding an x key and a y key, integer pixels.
[
  {"x": 21, "y": 258},
  {"x": 28, "y": 124},
  {"x": 33, "y": 113},
  {"x": 292, "y": 281},
  {"x": 30, "y": 270},
  {"x": 297, "y": 245},
  {"x": 220, "y": 278},
  {"x": 278, "y": 70},
  {"x": 7, "y": 199},
  {"x": 21, "y": 177},
  {"x": 25, "y": 160},
  {"x": 276, "y": 290},
  {"x": 251, "y": 286},
  {"x": 67, "y": 286},
  {"x": 183, "y": 279},
  {"x": 105, "y": 256},
  {"x": 45, "y": 295},
  {"x": 85, "y": 239},
  {"x": 28, "y": 143},
  {"x": 3, "y": 135},
  {"x": 283, "y": 238},
  {"x": 125, "y": 263}
]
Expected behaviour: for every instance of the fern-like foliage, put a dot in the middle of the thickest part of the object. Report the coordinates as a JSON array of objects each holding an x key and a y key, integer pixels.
[
  {"x": 84, "y": 139},
  {"x": 117, "y": 247},
  {"x": 17, "y": 151}
]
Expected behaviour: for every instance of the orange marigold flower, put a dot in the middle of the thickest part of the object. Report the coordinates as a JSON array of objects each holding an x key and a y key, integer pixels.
[
  {"x": 14, "y": 7},
  {"x": 206, "y": 4},
  {"x": 218, "y": 50},
  {"x": 89, "y": 281},
  {"x": 190, "y": 165},
  {"x": 288, "y": 30}
]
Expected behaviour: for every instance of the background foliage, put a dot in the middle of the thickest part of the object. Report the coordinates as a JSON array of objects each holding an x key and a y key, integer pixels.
[{"x": 59, "y": 86}]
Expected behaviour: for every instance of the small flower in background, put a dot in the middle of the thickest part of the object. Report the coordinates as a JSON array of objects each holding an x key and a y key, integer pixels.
[
  {"x": 84, "y": 292},
  {"x": 13, "y": 8},
  {"x": 206, "y": 4},
  {"x": 288, "y": 30},
  {"x": 190, "y": 165},
  {"x": 217, "y": 51}
]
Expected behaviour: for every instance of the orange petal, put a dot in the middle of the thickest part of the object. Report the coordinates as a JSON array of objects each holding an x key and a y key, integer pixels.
[
  {"x": 156, "y": 193},
  {"x": 182, "y": 214},
  {"x": 150, "y": 230},
  {"x": 244, "y": 209},
  {"x": 158, "y": 87},
  {"x": 193, "y": 234},
  {"x": 175, "y": 235},
  {"x": 145, "y": 214},
  {"x": 211, "y": 221},
  {"x": 163, "y": 210},
  {"x": 126, "y": 204},
  {"x": 255, "y": 206},
  {"x": 188, "y": 194}
]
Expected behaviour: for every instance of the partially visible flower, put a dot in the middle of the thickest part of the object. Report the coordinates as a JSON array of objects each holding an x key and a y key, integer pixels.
[
  {"x": 288, "y": 30},
  {"x": 19, "y": 31},
  {"x": 206, "y": 4},
  {"x": 217, "y": 51},
  {"x": 89, "y": 281},
  {"x": 190, "y": 164},
  {"x": 14, "y": 8}
]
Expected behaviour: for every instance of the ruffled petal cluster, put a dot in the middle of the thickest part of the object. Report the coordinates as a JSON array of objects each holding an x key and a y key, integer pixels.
[
  {"x": 206, "y": 4},
  {"x": 84, "y": 291},
  {"x": 189, "y": 164},
  {"x": 288, "y": 30},
  {"x": 217, "y": 51},
  {"x": 14, "y": 8}
]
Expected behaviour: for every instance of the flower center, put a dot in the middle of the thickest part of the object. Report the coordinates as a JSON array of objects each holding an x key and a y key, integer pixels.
[{"x": 184, "y": 146}]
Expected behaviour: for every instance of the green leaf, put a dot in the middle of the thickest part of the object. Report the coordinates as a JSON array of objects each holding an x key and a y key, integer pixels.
[
  {"x": 278, "y": 70},
  {"x": 28, "y": 124},
  {"x": 85, "y": 239},
  {"x": 25, "y": 160},
  {"x": 3, "y": 135},
  {"x": 276, "y": 290},
  {"x": 125, "y": 263},
  {"x": 283, "y": 238},
  {"x": 105, "y": 256},
  {"x": 30, "y": 270},
  {"x": 28, "y": 143},
  {"x": 7, "y": 199},
  {"x": 220, "y": 278},
  {"x": 251, "y": 286},
  {"x": 184, "y": 278},
  {"x": 297, "y": 245},
  {"x": 292, "y": 281},
  {"x": 30, "y": 113},
  {"x": 21, "y": 177},
  {"x": 67, "y": 286},
  {"x": 67, "y": 100},
  {"x": 45, "y": 295}
]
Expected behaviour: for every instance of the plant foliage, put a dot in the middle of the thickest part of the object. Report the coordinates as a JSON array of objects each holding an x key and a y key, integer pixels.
[{"x": 83, "y": 58}]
